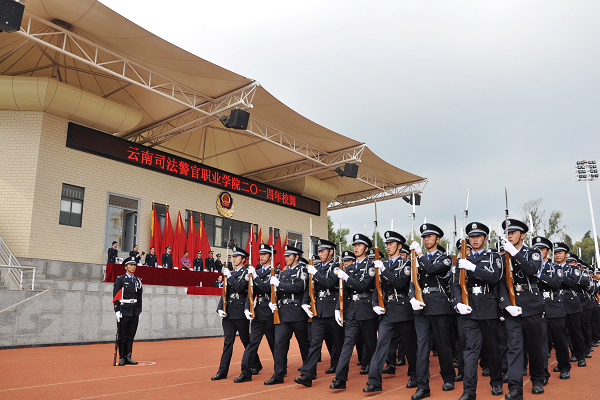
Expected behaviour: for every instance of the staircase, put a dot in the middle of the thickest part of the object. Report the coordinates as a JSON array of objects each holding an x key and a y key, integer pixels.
[{"x": 12, "y": 273}]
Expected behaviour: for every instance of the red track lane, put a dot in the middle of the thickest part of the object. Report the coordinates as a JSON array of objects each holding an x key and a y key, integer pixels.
[{"x": 182, "y": 369}]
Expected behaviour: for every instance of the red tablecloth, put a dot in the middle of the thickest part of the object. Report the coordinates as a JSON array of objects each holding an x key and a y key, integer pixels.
[
  {"x": 165, "y": 276},
  {"x": 210, "y": 291}
]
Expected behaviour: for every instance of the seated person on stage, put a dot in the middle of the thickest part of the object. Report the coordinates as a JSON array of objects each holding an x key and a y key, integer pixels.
[
  {"x": 185, "y": 261},
  {"x": 219, "y": 282}
]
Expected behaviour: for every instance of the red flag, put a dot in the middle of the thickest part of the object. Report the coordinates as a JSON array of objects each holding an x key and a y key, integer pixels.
[
  {"x": 155, "y": 232},
  {"x": 178, "y": 242},
  {"x": 250, "y": 243},
  {"x": 168, "y": 237},
  {"x": 270, "y": 241},
  {"x": 279, "y": 256},
  {"x": 204, "y": 243},
  {"x": 256, "y": 247},
  {"x": 118, "y": 297},
  {"x": 192, "y": 238}
]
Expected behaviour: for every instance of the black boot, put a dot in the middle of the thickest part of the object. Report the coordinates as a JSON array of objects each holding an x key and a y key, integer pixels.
[{"x": 121, "y": 355}]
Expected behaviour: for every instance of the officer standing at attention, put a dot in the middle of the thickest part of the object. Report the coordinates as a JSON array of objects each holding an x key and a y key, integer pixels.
[
  {"x": 262, "y": 322},
  {"x": 480, "y": 318},
  {"x": 127, "y": 309},
  {"x": 524, "y": 321},
  {"x": 586, "y": 305},
  {"x": 210, "y": 262},
  {"x": 233, "y": 318},
  {"x": 218, "y": 264},
  {"x": 326, "y": 285},
  {"x": 167, "y": 258},
  {"x": 432, "y": 315},
  {"x": 358, "y": 311},
  {"x": 198, "y": 262},
  {"x": 397, "y": 317},
  {"x": 290, "y": 292},
  {"x": 135, "y": 254},
  {"x": 113, "y": 253},
  {"x": 151, "y": 258},
  {"x": 571, "y": 277},
  {"x": 554, "y": 311}
]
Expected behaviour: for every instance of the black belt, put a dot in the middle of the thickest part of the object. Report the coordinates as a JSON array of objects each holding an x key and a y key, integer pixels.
[
  {"x": 265, "y": 297},
  {"x": 549, "y": 294},
  {"x": 427, "y": 290},
  {"x": 393, "y": 297},
  {"x": 358, "y": 296},
  {"x": 289, "y": 301},
  {"x": 526, "y": 287},
  {"x": 478, "y": 290}
]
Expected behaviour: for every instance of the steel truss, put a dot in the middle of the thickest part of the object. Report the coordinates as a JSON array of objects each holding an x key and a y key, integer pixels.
[{"x": 357, "y": 199}]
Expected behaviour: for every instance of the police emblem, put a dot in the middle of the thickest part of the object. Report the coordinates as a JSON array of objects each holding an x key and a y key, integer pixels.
[
  {"x": 387, "y": 235},
  {"x": 262, "y": 246},
  {"x": 225, "y": 206},
  {"x": 535, "y": 256},
  {"x": 474, "y": 226},
  {"x": 335, "y": 270},
  {"x": 499, "y": 263},
  {"x": 447, "y": 262},
  {"x": 371, "y": 271},
  {"x": 247, "y": 277},
  {"x": 407, "y": 270},
  {"x": 576, "y": 272},
  {"x": 539, "y": 240},
  {"x": 319, "y": 242},
  {"x": 304, "y": 276},
  {"x": 356, "y": 237},
  {"x": 559, "y": 272},
  {"x": 424, "y": 227}
]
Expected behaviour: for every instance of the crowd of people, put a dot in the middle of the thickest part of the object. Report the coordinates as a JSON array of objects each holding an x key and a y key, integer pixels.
[{"x": 502, "y": 310}]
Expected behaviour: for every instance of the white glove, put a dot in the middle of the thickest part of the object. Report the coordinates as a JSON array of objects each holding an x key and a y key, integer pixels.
[
  {"x": 416, "y": 304},
  {"x": 251, "y": 270},
  {"x": 306, "y": 308},
  {"x": 118, "y": 315},
  {"x": 248, "y": 315},
  {"x": 273, "y": 307},
  {"x": 139, "y": 317},
  {"x": 222, "y": 313},
  {"x": 509, "y": 247},
  {"x": 338, "y": 318},
  {"x": 379, "y": 265},
  {"x": 416, "y": 247},
  {"x": 342, "y": 275},
  {"x": 466, "y": 264},
  {"x": 463, "y": 309},
  {"x": 274, "y": 281},
  {"x": 311, "y": 269},
  {"x": 226, "y": 272},
  {"x": 378, "y": 310},
  {"x": 514, "y": 310}
]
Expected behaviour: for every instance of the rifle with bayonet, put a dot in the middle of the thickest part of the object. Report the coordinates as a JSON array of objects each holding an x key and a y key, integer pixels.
[
  {"x": 311, "y": 286},
  {"x": 509, "y": 269},
  {"x": 250, "y": 280},
  {"x": 377, "y": 278},
  {"x": 276, "y": 320},
  {"x": 341, "y": 281},
  {"x": 224, "y": 292},
  {"x": 414, "y": 264},
  {"x": 463, "y": 255}
]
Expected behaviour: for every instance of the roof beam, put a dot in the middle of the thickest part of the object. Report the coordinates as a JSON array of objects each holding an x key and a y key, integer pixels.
[{"x": 357, "y": 199}]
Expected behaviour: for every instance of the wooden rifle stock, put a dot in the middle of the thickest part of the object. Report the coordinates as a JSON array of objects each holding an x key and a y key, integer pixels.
[
  {"x": 509, "y": 280},
  {"x": 224, "y": 294},
  {"x": 341, "y": 296},
  {"x": 276, "y": 320},
  {"x": 463, "y": 274},
  {"x": 414, "y": 276},
  {"x": 311, "y": 292},
  {"x": 378, "y": 281},
  {"x": 251, "y": 293}
]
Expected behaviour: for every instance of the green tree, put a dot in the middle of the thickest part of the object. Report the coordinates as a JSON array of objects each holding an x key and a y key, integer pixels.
[
  {"x": 550, "y": 227},
  {"x": 383, "y": 254},
  {"x": 337, "y": 236},
  {"x": 588, "y": 250}
]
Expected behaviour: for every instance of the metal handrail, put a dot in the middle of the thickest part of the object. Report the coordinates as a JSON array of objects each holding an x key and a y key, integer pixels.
[{"x": 21, "y": 268}]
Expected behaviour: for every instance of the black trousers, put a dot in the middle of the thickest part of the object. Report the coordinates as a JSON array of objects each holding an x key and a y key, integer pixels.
[
  {"x": 437, "y": 326},
  {"x": 522, "y": 331},
  {"x": 573, "y": 324},
  {"x": 460, "y": 346},
  {"x": 322, "y": 327},
  {"x": 127, "y": 329},
  {"x": 283, "y": 335},
  {"x": 481, "y": 337},
  {"x": 258, "y": 330},
  {"x": 556, "y": 328},
  {"x": 586, "y": 329},
  {"x": 352, "y": 327},
  {"x": 387, "y": 330},
  {"x": 230, "y": 328},
  {"x": 503, "y": 345},
  {"x": 595, "y": 323}
]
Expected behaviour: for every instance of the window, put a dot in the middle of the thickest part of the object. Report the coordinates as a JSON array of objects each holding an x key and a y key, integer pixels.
[
  {"x": 295, "y": 239},
  {"x": 71, "y": 205}
]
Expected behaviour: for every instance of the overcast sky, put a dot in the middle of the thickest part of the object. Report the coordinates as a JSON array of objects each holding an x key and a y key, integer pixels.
[{"x": 469, "y": 94}]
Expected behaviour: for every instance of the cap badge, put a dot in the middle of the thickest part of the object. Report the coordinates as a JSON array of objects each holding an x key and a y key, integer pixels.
[
  {"x": 474, "y": 226},
  {"x": 424, "y": 227},
  {"x": 539, "y": 240},
  {"x": 356, "y": 236},
  {"x": 387, "y": 235}
]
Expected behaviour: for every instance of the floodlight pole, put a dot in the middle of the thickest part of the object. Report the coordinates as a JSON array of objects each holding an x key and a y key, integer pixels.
[{"x": 588, "y": 176}]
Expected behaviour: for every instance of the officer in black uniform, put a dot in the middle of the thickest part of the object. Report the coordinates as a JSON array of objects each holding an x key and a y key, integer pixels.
[
  {"x": 167, "y": 258},
  {"x": 198, "y": 261},
  {"x": 458, "y": 336},
  {"x": 554, "y": 311},
  {"x": 480, "y": 318},
  {"x": 210, "y": 261},
  {"x": 151, "y": 258},
  {"x": 233, "y": 318},
  {"x": 397, "y": 317},
  {"x": 571, "y": 277},
  {"x": 127, "y": 309},
  {"x": 523, "y": 321},
  {"x": 291, "y": 285},
  {"x": 218, "y": 264},
  {"x": 326, "y": 291},
  {"x": 358, "y": 312},
  {"x": 135, "y": 254},
  {"x": 229, "y": 264},
  {"x": 582, "y": 291},
  {"x": 262, "y": 322},
  {"x": 113, "y": 253},
  {"x": 432, "y": 315}
]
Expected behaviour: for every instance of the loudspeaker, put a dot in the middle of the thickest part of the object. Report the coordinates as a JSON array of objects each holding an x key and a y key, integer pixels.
[
  {"x": 238, "y": 119},
  {"x": 351, "y": 170},
  {"x": 11, "y": 15}
]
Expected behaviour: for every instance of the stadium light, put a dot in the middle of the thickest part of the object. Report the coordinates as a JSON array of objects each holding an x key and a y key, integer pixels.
[{"x": 588, "y": 171}]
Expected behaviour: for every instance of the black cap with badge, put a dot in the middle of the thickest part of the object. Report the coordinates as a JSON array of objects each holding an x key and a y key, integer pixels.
[
  {"x": 459, "y": 243},
  {"x": 348, "y": 256},
  {"x": 559, "y": 246},
  {"x": 431, "y": 229},
  {"x": 540, "y": 242},
  {"x": 291, "y": 250},
  {"x": 515, "y": 225},
  {"x": 405, "y": 248},
  {"x": 359, "y": 238},
  {"x": 266, "y": 249},
  {"x": 476, "y": 229},
  {"x": 240, "y": 252},
  {"x": 323, "y": 244},
  {"x": 129, "y": 260},
  {"x": 391, "y": 236}
]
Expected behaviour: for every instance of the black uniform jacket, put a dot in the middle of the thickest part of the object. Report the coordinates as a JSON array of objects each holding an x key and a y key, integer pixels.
[
  {"x": 262, "y": 293},
  {"x": 150, "y": 260},
  {"x": 167, "y": 260},
  {"x": 481, "y": 285},
  {"x": 549, "y": 283},
  {"x": 571, "y": 276},
  {"x": 237, "y": 293},
  {"x": 135, "y": 255},
  {"x": 358, "y": 290},
  {"x": 293, "y": 282},
  {"x": 112, "y": 255},
  {"x": 526, "y": 265},
  {"x": 198, "y": 262},
  {"x": 218, "y": 266},
  {"x": 432, "y": 274},
  {"x": 583, "y": 290},
  {"x": 395, "y": 285},
  {"x": 131, "y": 290},
  {"x": 210, "y": 263},
  {"x": 326, "y": 289}
]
